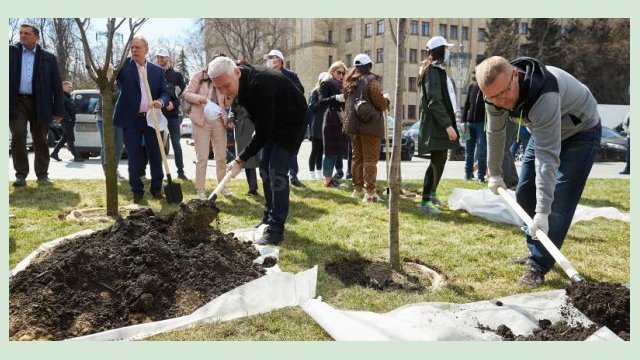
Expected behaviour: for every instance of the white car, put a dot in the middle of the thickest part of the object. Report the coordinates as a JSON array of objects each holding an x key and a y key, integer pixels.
[{"x": 186, "y": 128}]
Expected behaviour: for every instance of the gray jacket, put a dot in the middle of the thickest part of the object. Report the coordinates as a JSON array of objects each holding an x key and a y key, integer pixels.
[{"x": 554, "y": 106}]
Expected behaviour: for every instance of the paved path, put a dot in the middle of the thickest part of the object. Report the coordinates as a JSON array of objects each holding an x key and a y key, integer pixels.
[{"x": 414, "y": 169}]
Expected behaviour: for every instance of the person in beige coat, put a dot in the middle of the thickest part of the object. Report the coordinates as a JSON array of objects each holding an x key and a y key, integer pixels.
[{"x": 207, "y": 132}]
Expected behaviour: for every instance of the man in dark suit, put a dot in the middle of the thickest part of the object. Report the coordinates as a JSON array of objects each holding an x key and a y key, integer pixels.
[
  {"x": 35, "y": 97},
  {"x": 131, "y": 115}
]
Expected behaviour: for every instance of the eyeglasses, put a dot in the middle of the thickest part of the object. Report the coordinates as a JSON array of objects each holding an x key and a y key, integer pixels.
[
  {"x": 501, "y": 94},
  {"x": 341, "y": 73}
]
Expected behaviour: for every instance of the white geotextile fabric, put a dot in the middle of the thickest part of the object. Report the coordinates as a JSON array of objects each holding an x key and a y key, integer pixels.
[
  {"x": 447, "y": 321},
  {"x": 485, "y": 204},
  {"x": 275, "y": 290}
]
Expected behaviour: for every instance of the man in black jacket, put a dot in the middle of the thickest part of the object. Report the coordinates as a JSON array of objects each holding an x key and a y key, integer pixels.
[
  {"x": 68, "y": 123},
  {"x": 175, "y": 87},
  {"x": 473, "y": 122},
  {"x": 278, "y": 109},
  {"x": 35, "y": 97}
]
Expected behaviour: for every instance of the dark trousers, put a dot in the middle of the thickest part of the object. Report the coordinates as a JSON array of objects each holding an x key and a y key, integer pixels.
[
  {"x": 18, "y": 128},
  {"x": 315, "y": 159},
  {"x": 68, "y": 137},
  {"x": 252, "y": 179},
  {"x": 173, "y": 124},
  {"x": 133, "y": 138},
  {"x": 274, "y": 165},
  {"x": 476, "y": 145},
  {"x": 434, "y": 173}
]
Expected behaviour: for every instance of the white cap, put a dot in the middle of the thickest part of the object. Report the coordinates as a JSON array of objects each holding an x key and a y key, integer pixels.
[
  {"x": 162, "y": 52},
  {"x": 274, "y": 53},
  {"x": 323, "y": 75},
  {"x": 361, "y": 59},
  {"x": 437, "y": 41}
]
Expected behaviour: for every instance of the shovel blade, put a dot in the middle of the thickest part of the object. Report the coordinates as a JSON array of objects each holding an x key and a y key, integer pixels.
[{"x": 173, "y": 193}]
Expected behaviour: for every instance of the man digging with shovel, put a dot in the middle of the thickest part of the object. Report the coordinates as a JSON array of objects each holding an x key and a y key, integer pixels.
[
  {"x": 277, "y": 109},
  {"x": 560, "y": 112}
]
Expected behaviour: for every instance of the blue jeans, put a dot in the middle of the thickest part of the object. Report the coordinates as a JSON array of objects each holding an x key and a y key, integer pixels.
[
  {"x": 523, "y": 138},
  {"x": 293, "y": 168},
  {"x": 576, "y": 159},
  {"x": 174, "y": 132},
  {"x": 477, "y": 140},
  {"x": 117, "y": 140},
  {"x": 274, "y": 165},
  {"x": 328, "y": 163}
]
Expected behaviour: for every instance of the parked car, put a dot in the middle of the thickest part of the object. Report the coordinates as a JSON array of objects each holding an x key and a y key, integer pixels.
[
  {"x": 455, "y": 154},
  {"x": 55, "y": 133},
  {"x": 186, "y": 128},
  {"x": 86, "y": 130},
  {"x": 408, "y": 145},
  {"x": 613, "y": 146}
]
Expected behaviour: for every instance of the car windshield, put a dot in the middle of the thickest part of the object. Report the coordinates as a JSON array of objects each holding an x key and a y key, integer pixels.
[{"x": 606, "y": 132}]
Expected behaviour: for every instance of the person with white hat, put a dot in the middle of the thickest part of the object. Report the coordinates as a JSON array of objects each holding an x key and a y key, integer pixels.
[
  {"x": 438, "y": 130},
  {"x": 275, "y": 61}
]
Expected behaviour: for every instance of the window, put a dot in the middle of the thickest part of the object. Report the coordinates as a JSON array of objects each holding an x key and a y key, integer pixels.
[
  {"x": 442, "y": 30},
  {"x": 367, "y": 30},
  {"x": 330, "y": 61},
  {"x": 423, "y": 54},
  {"x": 379, "y": 55},
  {"x": 465, "y": 33},
  {"x": 413, "y": 86},
  {"x": 453, "y": 34},
  {"x": 349, "y": 60},
  {"x": 348, "y": 35},
  {"x": 380, "y": 27},
  {"x": 411, "y": 110},
  {"x": 413, "y": 27},
  {"x": 482, "y": 34},
  {"x": 425, "y": 28},
  {"x": 330, "y": 36},
  {"x": 413, "y": 56},
  {"x": 524, "y": 28}
]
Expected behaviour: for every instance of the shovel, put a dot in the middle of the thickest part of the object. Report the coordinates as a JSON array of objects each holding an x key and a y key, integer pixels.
[
  {"x": 543, "y": 238},
  {"x": 172, "y": 191},
  {"x": 221, "y": 184}
]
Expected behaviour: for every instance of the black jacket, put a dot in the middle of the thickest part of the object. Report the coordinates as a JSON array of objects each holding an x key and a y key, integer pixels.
[
  {"x": 69, "y": 109},
  {"x": 174, "y": 80},
  {"x": 294, "y": 78},
  {"x": 276, "y": 106},
  {"x": 473, "y": 110},
  {"x": 47, "y": 84}
]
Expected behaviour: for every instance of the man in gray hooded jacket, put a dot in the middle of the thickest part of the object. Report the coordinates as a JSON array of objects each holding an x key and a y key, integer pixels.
[{"x": 561, "y": 115}]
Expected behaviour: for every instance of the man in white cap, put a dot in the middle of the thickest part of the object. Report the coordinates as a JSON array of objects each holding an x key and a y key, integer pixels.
[
  {"x": 275, "y": 61},
  {"x": 175, "y": 87}
]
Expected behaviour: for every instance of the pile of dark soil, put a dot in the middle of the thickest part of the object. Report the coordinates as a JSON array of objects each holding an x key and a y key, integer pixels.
[
  {"x": 144, "y": 268},
  {"x": 375, "y": 274},
  {"x": 605, "y": 304}
]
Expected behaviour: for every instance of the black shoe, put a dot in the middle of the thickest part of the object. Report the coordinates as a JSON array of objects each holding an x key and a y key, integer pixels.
[
  {"x": 338, "y": 176},
  {"x": 624, "y": 172},
  {"x": 157, "y": 196},
  {"x": 78, "y": 159},
  {"x": 137, "y": 198},
  {"x": 20, "y": 182},
  {"x": 44, "y": 180},
  {"x": 348, "y": 176},
  {"x": 270, "y": 238},
  {"x": 295, "y": 182},
  {"x": 182, "y": 176},
  {"x": 252, "y": 192},
  {"x": 55, "y": 157}
]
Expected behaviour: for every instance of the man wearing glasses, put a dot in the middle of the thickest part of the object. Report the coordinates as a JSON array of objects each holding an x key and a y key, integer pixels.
[{"x": 561, "y": 115}]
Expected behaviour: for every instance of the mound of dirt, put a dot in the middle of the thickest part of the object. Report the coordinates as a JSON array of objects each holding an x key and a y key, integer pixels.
[
  {"x": 144, "y": 268},
  {"x": 375, "y": 274}
]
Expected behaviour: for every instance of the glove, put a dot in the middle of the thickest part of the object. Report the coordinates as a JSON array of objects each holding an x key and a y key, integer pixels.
[
  {"x": 340, "y": 97},
  {"x": 540, "y": 222},
  {"x": 234, "y": 168},
  {"x": 496, "y": 182}
]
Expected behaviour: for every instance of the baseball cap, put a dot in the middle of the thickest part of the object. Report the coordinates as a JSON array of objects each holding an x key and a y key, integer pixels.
[
  {"x": 361, "y": 59},
  {"x": 274, "y": 53},
  {"x": 437, "y": 41},
  {"x": 323, "y": 76},
  {"x": 162, "y": 52}
]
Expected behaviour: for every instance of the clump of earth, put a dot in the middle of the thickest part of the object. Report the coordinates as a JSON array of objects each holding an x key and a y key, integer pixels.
[
  {"x": 145, "y": 267},
  {"x": 378, "y": 275}
]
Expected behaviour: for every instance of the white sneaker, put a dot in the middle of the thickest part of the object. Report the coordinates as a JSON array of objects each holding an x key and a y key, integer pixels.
[
  {"x": 371, "y": 198},
  {"x": 319, "y": 175},
  {"x": 312, "y": 175},
  {"x": 226, "y": 192},
  {"x": 358, "y": 194},
  {"x": 202, "y": 195}
]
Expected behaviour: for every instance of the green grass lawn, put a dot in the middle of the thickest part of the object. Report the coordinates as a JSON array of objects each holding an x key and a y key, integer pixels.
[{"x": 327, "y": 224}]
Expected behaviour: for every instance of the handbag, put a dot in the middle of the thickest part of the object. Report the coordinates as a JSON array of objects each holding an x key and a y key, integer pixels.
[
  {"x": 365, "y": 110},
  {"x": 184, "y": 103}
]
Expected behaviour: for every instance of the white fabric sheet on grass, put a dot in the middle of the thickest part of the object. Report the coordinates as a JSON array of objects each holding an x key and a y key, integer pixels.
[
  {"x": 275, "y": 290},
  {"x": 485, "y": 204},
  {"x": 447, "y": 321}
]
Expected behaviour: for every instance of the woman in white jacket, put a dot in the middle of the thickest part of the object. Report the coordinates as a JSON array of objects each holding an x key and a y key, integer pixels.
[{"x": 207, "y": 132}]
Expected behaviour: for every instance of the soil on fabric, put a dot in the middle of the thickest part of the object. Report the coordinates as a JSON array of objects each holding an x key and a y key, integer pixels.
[
  {"x": 374, "y": 274},
  {"x": 605, "y": 304},
  {"x": 145, "y": 267}
]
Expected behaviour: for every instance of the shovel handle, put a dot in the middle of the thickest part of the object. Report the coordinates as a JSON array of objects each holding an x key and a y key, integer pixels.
[
  {"x": 542, "y": 237},
  {"x": 221, "y": 184},
  {"x": 156, "y": 126}
]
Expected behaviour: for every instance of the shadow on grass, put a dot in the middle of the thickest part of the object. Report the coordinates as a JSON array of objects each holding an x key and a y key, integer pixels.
[
  {"x": 43, "y": 197},
  {"x": 604, "y": 203}
]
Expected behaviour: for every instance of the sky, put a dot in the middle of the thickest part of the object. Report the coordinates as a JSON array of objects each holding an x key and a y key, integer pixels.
[{"x": 155, "y": 29}]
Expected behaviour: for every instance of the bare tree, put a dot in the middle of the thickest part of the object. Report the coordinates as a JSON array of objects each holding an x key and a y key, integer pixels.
[
  {"x": 104, "y": 74},
  {"x": 14, "y": 25},
  {"x": 62, "y": 37}
]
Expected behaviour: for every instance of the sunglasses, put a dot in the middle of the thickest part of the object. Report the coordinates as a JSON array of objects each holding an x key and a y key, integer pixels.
[{"x": 340, "y": 72}]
